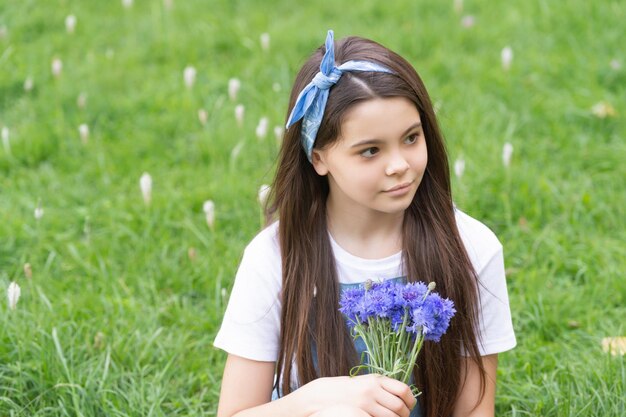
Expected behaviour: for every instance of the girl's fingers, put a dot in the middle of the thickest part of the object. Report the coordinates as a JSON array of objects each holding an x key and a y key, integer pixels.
[
  {"x": 342, "y": 410},
  {"x": 380, "y": 410},
  {"x": 392, "y": 406},
  {"x": 400, "y": 390}
]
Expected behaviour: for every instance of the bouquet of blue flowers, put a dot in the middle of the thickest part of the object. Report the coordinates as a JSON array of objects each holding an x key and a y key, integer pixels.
[{"x": 393, "y": 320}]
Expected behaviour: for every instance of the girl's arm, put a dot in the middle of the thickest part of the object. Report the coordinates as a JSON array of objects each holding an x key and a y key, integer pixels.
[
  {"x": 470, "y": 391},
  {"x": 247, "y": 389}
]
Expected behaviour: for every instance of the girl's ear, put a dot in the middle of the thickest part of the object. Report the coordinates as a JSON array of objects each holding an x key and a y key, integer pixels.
[{"x": 318, "y": 161}]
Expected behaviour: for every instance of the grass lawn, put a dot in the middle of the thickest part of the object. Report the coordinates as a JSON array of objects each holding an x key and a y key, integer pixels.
[{"x": 120, "y": 300}]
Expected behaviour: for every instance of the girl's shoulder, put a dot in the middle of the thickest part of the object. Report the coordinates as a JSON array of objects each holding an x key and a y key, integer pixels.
[
  {"x": 265, "y": 242},
  {"x": 480, "y": 241}
]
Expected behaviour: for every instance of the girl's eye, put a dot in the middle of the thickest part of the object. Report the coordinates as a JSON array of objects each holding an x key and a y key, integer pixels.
[
  {"x": 412, "y": 138},
  {"x": 369, "y": 152}
]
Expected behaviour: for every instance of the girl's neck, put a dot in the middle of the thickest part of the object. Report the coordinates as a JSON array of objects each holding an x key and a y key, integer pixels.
[{"x": 368, "y": 235}]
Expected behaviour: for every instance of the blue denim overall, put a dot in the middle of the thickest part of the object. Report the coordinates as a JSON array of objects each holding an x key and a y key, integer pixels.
[{"x": 360, "y": 348}]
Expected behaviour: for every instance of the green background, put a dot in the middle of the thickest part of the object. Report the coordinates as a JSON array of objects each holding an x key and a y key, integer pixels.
[{"x": 125, "y": 299}]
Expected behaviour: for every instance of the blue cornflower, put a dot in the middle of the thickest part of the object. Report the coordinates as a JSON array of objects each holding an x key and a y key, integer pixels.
[
  {"x": 351, "y": 304},
  {"x": 376, "y": 312},
  {"x": 438, "y": 312},
  {"x": 412, "y": 294},
  {"x": 379, "y": 300},
  {"x": 396, "y": 315}
]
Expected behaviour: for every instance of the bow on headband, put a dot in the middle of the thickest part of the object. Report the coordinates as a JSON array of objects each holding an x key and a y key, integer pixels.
[{"x": 311, "y": 102}]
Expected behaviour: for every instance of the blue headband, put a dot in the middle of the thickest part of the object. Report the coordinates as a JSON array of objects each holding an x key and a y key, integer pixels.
[{"x": 311, "y": 102}]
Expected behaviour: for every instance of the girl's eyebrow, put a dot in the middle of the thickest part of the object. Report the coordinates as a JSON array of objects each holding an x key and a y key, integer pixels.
[{"x": 377, "y": 141}]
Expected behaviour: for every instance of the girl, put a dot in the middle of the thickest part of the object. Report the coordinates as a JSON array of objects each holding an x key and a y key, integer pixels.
[{"x": 362, "y": 191}]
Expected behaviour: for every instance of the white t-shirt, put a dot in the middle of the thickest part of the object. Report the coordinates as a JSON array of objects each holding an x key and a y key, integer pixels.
[{"x": 251, "y": 324}]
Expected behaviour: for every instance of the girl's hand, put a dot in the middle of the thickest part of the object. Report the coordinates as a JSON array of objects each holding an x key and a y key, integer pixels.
[{"x": 376, "y": 395}]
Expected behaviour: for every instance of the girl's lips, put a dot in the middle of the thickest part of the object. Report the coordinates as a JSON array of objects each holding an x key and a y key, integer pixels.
[{"x": 399, "y": 187}]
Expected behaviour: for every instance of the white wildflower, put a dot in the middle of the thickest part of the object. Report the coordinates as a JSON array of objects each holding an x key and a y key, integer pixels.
[
  {"x": 28, "y": 84},
  {"x": 279, "y": 131},
  {"x": 203, "y": 116},
  {"x": 239, "y": 113},
  {"x": 264, "y": 191},
  {"x": 603, "y": 110},
  {"x": 261, "y": 129},
  {"x": 507, "y": 57},
  {"x": 168, "y": 4},
  {"x": 57, "y": 67},
  {"x": 127, "y": 4},
  {"x": 83, "y": 130},
  {"x": 459, "y": 167},
  {"x": 468, "y": 21},
  {"x": 13, "y": 293},
  {"x": 70, "y": 23},
  {"x": 507, "y": 152},
  {"x": 189, "y": 75},
  {"x": 236, "y": 151},
  {"x": 233, "y": 88},
  {"x": 81, "y": 100},
  {"x": 209, "y": 212},
  {"x": 614, "y": 345},
  {"x": 5, "y": 140},
  {"x": 458, "y": 6},
  {"x": 276, "y": 87},
  {"x": 145, "y": 183},
  {"x": 38, "y": 211},
  {"x": 437, "y": 106},
  {"x": 616, "y": 65},
  {"x": 265, "y": 41}
]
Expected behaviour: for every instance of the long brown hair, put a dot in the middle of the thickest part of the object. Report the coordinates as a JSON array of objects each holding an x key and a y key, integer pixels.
[{"x": 432, "y": 247}]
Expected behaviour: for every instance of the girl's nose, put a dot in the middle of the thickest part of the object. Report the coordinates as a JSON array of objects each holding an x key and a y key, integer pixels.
[{"x": 397, "y": 164}]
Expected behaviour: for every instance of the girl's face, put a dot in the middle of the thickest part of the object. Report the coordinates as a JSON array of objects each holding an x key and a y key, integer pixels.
[{"x": 379, "y": 160}]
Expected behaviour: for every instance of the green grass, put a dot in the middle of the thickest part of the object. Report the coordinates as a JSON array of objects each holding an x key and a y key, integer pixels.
[{"x": 118, "y": 319}]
